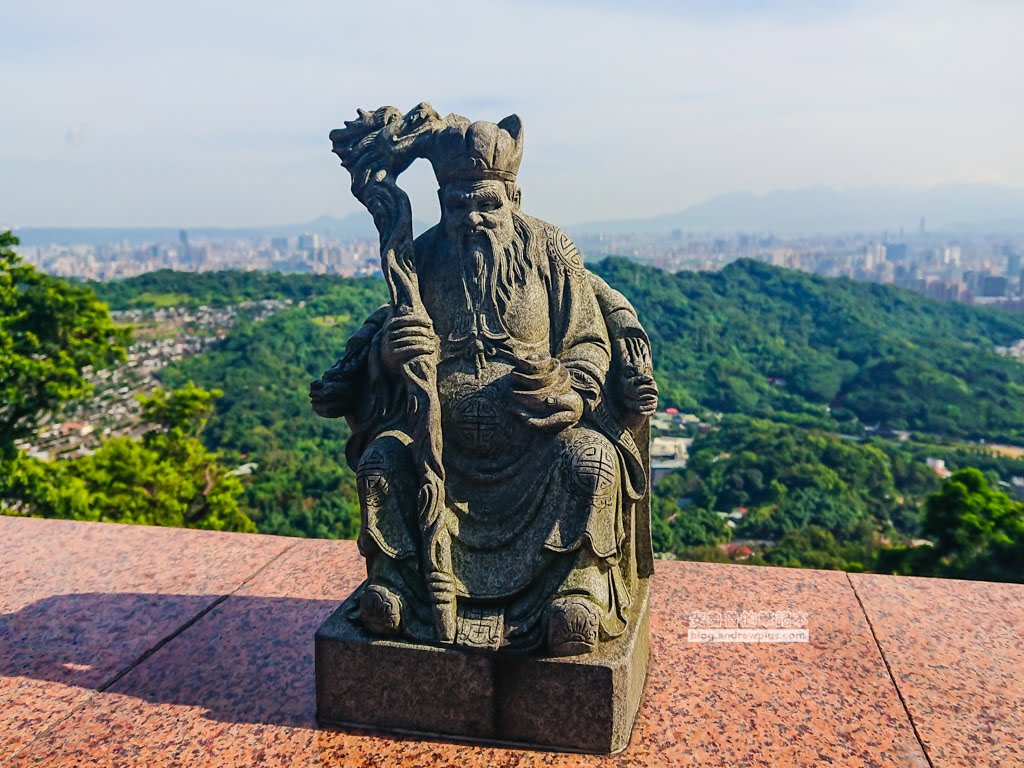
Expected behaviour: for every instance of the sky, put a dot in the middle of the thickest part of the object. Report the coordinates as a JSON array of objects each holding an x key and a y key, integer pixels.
[{"x": 216, "y": 113}]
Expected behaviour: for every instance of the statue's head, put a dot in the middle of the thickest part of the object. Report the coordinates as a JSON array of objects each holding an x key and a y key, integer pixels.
[
  {"x": 475, "y": 209},
  {"x": 476, "y": 166}
]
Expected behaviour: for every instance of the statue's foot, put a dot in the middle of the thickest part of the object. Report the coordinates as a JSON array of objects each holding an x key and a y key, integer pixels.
[
  {"x": 572, "y": 626},
  {"x": 380, "y": 610}
]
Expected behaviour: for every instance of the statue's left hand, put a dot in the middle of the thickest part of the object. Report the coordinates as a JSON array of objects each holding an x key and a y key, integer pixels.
[
  {"x": 641, "y": 395},
  {"x": 544, "y": 395},
  {"x": 639, "y": 389},
  {"x": 330, "y": 398}
]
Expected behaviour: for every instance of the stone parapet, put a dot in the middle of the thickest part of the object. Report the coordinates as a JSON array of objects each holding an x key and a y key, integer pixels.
[{"x": 133, "y": 646}]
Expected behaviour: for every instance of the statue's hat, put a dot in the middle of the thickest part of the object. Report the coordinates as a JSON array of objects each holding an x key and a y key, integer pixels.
[{"x": 466, "y": 151}]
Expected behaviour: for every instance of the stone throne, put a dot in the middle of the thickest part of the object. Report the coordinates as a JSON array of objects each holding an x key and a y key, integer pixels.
[{"x": 499, "y": 408}]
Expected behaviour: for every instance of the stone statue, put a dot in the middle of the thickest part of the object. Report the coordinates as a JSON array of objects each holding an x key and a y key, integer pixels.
[{"x": 499, "y": 408}]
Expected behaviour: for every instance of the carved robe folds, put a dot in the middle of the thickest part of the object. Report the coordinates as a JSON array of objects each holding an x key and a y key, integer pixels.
[
  {"x": 499, "y": 407},
  {"x": 536, "y": 515}
]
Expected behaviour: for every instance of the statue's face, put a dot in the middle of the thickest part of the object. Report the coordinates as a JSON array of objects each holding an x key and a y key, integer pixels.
[{"x": 472, "y": 209}]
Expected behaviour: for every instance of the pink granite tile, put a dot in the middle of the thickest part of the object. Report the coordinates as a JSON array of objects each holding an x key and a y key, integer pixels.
[
  {"x": 956, "y": 651},
  {"x": 81, "y": 602},
  {"x": 236, "y": 688}
]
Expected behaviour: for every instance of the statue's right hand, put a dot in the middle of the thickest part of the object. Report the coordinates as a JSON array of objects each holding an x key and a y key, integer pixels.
[
  {"x": 407, "y": 337},
  {"x": 543, "y": 395}
]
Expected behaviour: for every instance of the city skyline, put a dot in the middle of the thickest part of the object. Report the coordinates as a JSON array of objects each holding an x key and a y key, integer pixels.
[{"x": 201, "y": 116}]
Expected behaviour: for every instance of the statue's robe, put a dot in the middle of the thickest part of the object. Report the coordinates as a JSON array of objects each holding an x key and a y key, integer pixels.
[{"x": 533, "y": 515}]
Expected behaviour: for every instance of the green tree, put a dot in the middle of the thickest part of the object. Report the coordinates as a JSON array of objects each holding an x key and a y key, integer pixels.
[
  {"x": 50, "y": 330},
  {"x": 810, "y": 547},
  {"x": 676, "y": 526},
  {"x": 977, "y": 533},
  {"x": 167, "y": 478},
  {"x": 303, "y": 486},
  {"x": 978, "y": 530},
  {"x": 183, "y": 412}
]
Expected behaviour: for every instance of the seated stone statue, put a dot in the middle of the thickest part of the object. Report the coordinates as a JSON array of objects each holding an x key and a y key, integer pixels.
[{"x": 544, "y": 386}]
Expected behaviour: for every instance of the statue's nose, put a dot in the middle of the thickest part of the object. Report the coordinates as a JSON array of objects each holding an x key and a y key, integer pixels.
[{"x": 474, "y": 219}]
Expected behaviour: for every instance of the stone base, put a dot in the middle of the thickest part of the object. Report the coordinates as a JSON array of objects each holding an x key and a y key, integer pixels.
[{"x": 578, "y": 703}]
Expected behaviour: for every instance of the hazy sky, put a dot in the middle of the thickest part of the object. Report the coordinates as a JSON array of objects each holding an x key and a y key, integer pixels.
[{"x": 217, "y": 113}]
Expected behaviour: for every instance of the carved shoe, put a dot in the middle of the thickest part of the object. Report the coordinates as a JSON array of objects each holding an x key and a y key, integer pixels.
[
  {"x": 380, "y": 610},
  {"x": 572, "y": 626}
]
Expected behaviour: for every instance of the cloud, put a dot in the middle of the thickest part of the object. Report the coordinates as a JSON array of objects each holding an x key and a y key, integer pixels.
[{"x": 217, "y": 113}]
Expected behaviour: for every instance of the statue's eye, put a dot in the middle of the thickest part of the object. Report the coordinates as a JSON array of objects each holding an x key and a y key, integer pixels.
[{"x": 489, "y": 205}]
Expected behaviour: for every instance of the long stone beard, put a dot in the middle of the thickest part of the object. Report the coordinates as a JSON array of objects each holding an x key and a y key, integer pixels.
[{"x": 497, "y": 276}]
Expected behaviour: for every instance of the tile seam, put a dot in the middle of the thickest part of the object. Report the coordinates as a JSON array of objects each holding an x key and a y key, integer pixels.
[
  {"x": 889, "y": 672},
  {"x": 149, "y": 652}
]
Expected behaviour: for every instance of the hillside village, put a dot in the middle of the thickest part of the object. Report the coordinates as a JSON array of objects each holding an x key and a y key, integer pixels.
[{"x": 161, "y": 336}]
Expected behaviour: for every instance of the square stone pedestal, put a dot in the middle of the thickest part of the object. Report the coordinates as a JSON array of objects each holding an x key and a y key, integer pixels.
[{"x": 578, "y": 703}]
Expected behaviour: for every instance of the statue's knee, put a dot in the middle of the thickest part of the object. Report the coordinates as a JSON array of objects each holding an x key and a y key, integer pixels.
[
  {"x": 592, "y": 465},
  {"x": 379, "y": 469}
]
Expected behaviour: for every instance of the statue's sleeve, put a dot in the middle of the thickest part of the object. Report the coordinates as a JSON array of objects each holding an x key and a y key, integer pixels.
[{"x": 579, "y": 334}]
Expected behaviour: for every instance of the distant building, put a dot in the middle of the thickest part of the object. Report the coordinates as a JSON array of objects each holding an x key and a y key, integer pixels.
[
  {"x": 667, "y": 454},
  {"x": 993, "y": 286},
  {"x": 949, "y": 256},
  {"x": 309, "y": 243},
  {"x": 735, "y": 550},
  {"x": 1013, "y": 269},
  {"x": 669, "y": 448},
  {"x": 896, "y": 251},
  {"x": 874, "y": 255}
]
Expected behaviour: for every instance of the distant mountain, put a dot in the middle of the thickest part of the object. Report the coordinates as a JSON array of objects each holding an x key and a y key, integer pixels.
[
  {"x": 978, "y": 208},
  {"x": 354, "y": 225},
  {"x": 959, "y": 208}
]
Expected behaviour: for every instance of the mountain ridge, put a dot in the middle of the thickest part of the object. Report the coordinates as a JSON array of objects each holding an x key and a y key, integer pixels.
[
  {"x": 826, "y": 210},
  {"x": 963, "y": 208}
]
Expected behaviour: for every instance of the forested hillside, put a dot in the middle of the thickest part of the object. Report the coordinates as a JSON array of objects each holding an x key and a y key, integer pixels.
[
  {"x": 799, "y": 376},
  {"x": 782, "y": 344},
  {"x": 302, "y": 485},
  {"x": 166, "y": 287}
]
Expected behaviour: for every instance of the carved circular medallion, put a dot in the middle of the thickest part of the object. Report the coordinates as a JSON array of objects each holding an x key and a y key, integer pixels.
[
  {"x": 565, "y": 250},
  {"x": 593, "y": 466},
  {"x": 372, "y": 478},
  {"x": 479, "y": 423}
]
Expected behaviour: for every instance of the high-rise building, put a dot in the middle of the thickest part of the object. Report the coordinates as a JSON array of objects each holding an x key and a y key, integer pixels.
[
  {"x": 993, "y": 286},
  {"x": 1013, "y": 265},
  {"x": 896, "y": 251}
]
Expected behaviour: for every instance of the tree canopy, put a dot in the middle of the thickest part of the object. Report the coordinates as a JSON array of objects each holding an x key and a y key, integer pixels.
[
  {"x": 823, "y": 352},
  {"x": 168, "y": 477},
  {"x": 804, "y": 372},
  {"x": 50, "y": 331}
]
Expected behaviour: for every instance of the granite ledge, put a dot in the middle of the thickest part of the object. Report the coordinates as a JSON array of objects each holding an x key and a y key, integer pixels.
[{"x": 228, "y": 679}]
